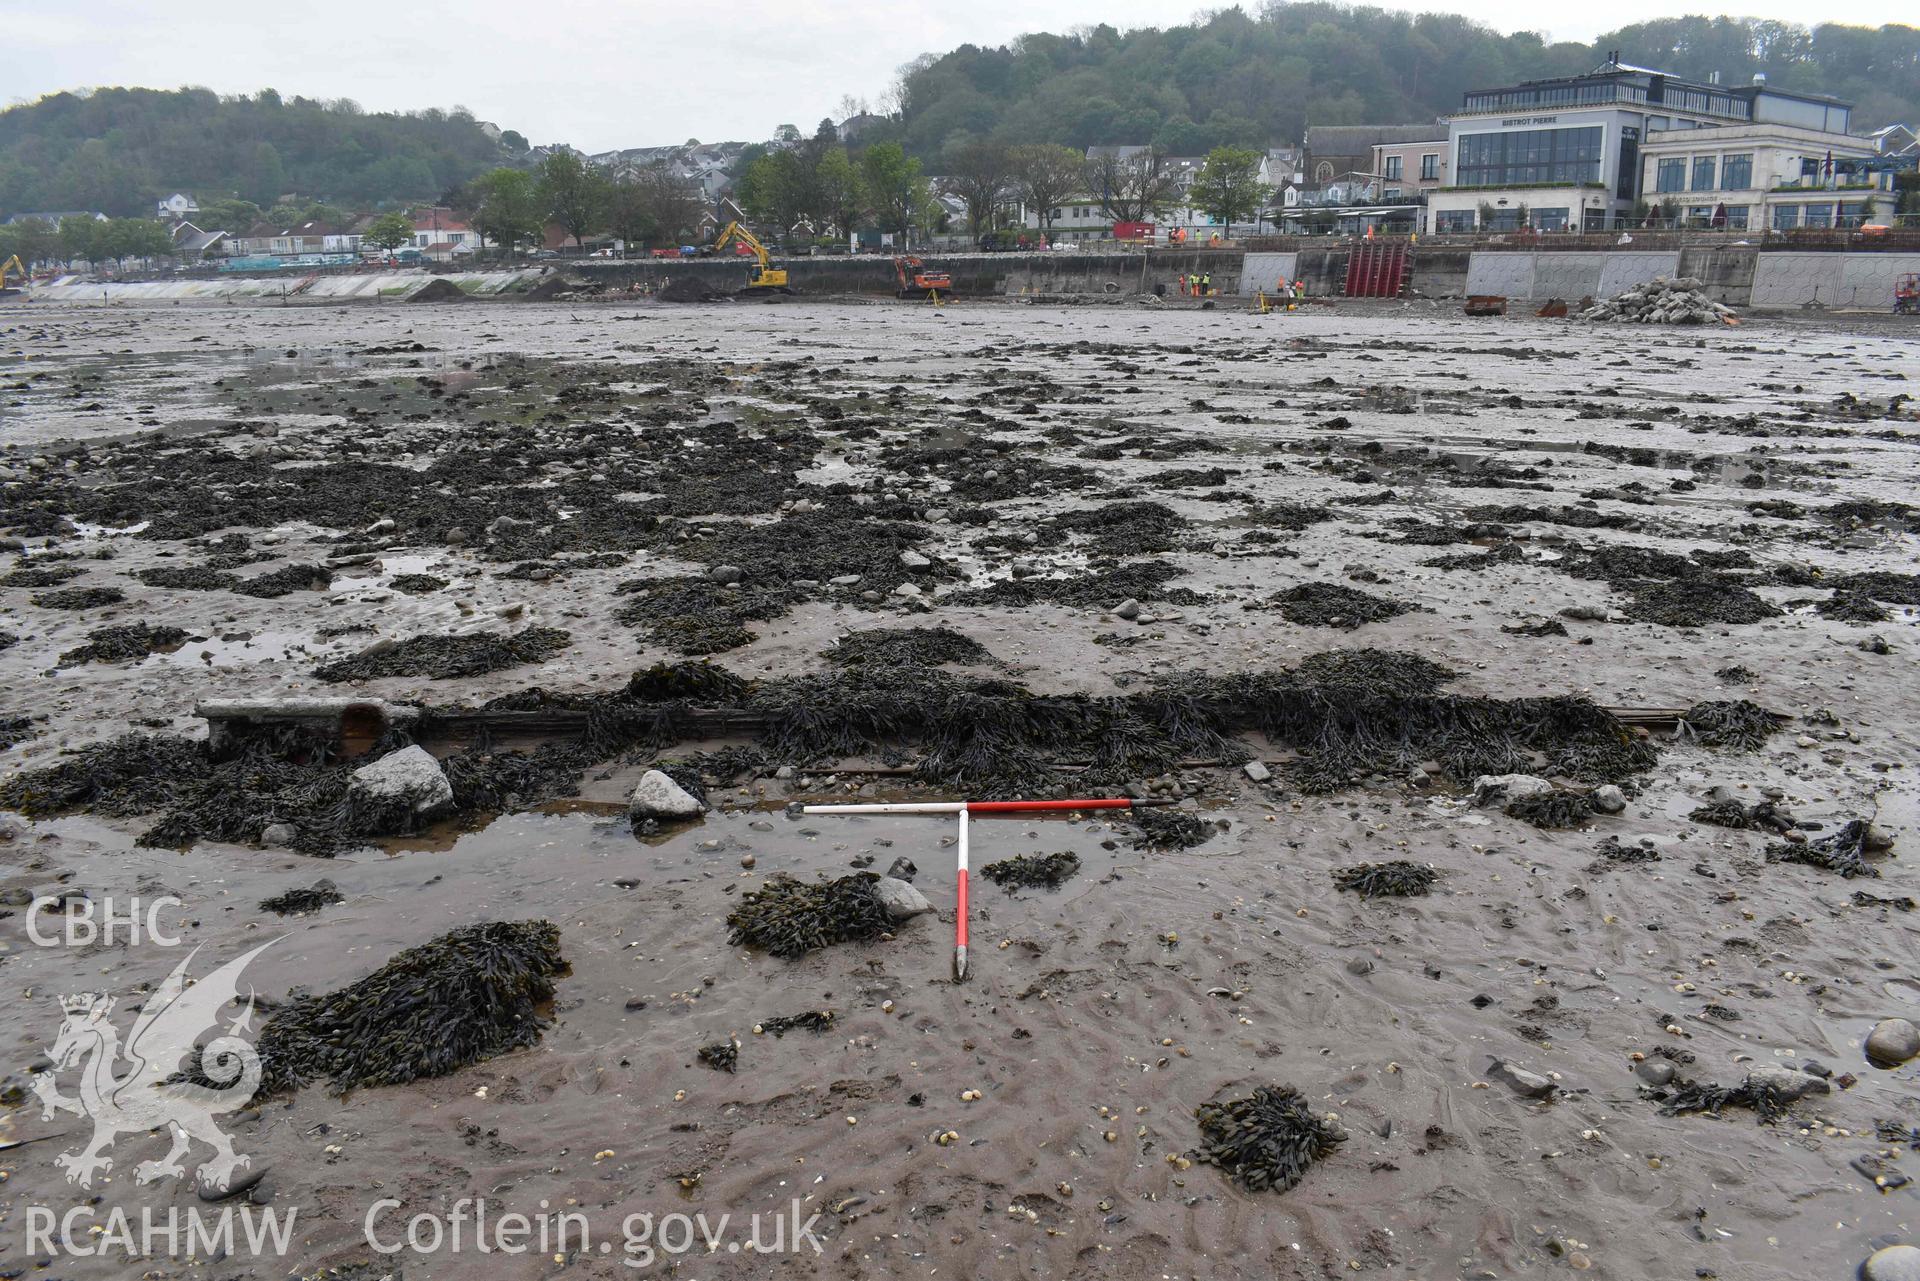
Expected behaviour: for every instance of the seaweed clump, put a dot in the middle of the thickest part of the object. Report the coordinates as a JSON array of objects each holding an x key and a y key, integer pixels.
[
  {"x": 124, "y": 642},
  {"x": 1397, "y": 878},
  {"x": 722, "y": 1056},
  {"x": 1740, "y": 724},
  {"x": 1552, "y": 809},
  {"x": 1050, "y": 870},
  {"x": 790, "y": 918},
  {"x": 1168, "y": 829},
  {"x": 907, "y": 647},
  {"x": 446, "y": 657},
  {"x": 1844, "y": 852},
  {"x": 465, "y": 996},
  {"x": 1696, "y": 602},
  {"x": 322, "y": 893},
  {"x": 1332, "y": 605},
  {"x": 79, "y": 598},
  {"x": 1267, "y": 1141},
  {"x": 1695, "y": 1096},
  {"x": 1762, "y": 815},
  {"x": 811, "y": 1021}
]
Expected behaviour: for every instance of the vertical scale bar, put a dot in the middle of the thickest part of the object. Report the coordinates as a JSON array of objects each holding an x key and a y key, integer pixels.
[{"x": 960, "y": 913}]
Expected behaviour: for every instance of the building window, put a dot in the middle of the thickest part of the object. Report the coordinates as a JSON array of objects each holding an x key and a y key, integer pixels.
[
  {"x": 1548, "y": 219},
  {"x": 1455, "y": 220},
  {"x": 1671, "y": 175},
  {"x": 1853, "y": 213},
  {"x": 1736, "y": 173},
  {"x": 1703, "y": 173},
  {"x": 1819, "y": 216},
  {"x": 1393, "y": 168},
  {"x": 1529, "y": 156},
  {"x": 1786, "y": 217},
  {"x": 1430, "y": 167},
  {"x": 1737, "y": 218}
]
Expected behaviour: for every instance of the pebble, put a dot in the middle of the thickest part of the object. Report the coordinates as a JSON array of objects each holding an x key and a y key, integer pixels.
[
  {"x": 1522, "y": 1082},
  {"x": 726, "y": 573},
  {"x": 1657, "y": 1072},
  {"x": 1892, "y": 1042},
  {"x": 1894, "y": 1263},
  {"x": 1258, "y": 772},
  {"x": 914, "y": 560},
  {"x": 1127, "y": 609}
]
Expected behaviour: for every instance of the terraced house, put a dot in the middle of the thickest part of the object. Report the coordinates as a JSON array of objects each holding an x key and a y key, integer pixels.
[{"x": 1580, "y": 151}]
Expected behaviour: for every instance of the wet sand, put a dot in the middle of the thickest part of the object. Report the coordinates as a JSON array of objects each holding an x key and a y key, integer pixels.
[{"x": 1094, "y": 1009}]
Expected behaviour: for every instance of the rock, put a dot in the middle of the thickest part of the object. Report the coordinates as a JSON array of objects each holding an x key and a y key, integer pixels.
[
  {"x": 1892, "y": 1042},
  {"x": 16, "y": 897},
  {"x": 1788, "y": 1083},
  {"x": 907, "y": 589},
  {"x": 914, "y": 560},
  {"x": 903, "y": 869},
  {"x": 747, "y": 861},
  {"x": 1655, "y": 1072},
  {"x": 1498, "y": 789},
  {"x": 1894, "y": 1263},
  {"x": 1585, "y": 613},
  {"x": 1609, "y": 799},
  {"x": 278, "y": 835},
  {"x": 899, "y": 898},
  {"x": 726, "y": 574},
  {"x": 1127, "y": 609},
  {"x": 784, "y": 772},
  {"x": 455, "y": 537},
  {"x": 1527, "y": 1084},
  {"x": 844, "y": 580},
  {"x": 410, "y": 775},
  {"x": 1257, "y": 772},
  {"x": 658, "y": 796}
]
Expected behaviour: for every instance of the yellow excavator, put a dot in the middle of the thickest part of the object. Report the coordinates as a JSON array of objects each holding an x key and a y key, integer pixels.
[
  {"x": 12, "y": 268},
  {"x": 766, "y": 278}
]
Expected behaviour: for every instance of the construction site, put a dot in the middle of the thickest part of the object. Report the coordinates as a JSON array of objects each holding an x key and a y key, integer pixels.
[{"x": 1469, "y": 758}]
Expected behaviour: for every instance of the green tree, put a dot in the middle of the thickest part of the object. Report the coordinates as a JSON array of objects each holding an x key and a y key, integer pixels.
[
  {"x": 773, "y": 190},
  {"x": 1228, "y": 186},
  {"x": 80, "y": 239},
  {"x": 631, "y": 215},
  {"x": 227, "y": 214},
  {"x": 506, "y": 208},
  {"x": 515, "y": 141},
  {"x": 390, "y": 231},
  {"x": 1046, "y": 175},
  {"x": 574, "y": 193},
  {"x": 843, "y": 192},
  {"x": 35, "y": 240},
  {"x": 266, "y": 177},
  {"x": 895, "y": 188}
]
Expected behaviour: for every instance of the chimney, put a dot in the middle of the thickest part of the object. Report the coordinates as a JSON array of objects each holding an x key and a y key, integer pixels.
[{"x": 1713, "y": 77}]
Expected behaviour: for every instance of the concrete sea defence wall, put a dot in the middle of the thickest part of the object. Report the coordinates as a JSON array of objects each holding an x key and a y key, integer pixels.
[{"x": 1737, "y": 275}]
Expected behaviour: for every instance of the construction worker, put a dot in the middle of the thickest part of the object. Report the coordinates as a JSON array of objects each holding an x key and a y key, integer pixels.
[{"x": 1206, "y": 285}]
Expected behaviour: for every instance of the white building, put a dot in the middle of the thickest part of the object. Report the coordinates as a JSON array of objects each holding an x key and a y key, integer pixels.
[
  {"x": 1567, "y": 152},
  {"x": 1761, "y": 176},
  {"x": 175, "y": 207}
]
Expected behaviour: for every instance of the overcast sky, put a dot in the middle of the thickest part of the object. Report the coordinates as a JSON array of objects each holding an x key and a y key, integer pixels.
[{"x": 600, "y": 75}]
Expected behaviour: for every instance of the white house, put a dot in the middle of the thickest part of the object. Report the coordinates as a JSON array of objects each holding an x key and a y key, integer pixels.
[{"x": 177, "y": 206}]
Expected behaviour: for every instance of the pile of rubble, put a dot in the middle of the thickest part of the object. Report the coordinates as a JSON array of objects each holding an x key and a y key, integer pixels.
[{"x": 1661, "y": 302}]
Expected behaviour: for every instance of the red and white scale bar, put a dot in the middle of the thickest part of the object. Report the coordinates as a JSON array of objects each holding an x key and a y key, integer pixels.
[{"x": 963, "y": 809}]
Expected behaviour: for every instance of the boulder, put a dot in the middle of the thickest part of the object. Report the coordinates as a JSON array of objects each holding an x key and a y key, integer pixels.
[
  {"x": 1892, "y": 1263},
  {"x": 1499, "y": 789},
  {"x": 658, "y": 796},
  {"x": 410, "y": 776},
  {"x": 900, "y": 899},
  {"x": 1609, "y": 799},
  {"x": 1892, "y": 1042},
  {"x": 1256, "y": 771},
  {"x": 1788, "y": 1083}
]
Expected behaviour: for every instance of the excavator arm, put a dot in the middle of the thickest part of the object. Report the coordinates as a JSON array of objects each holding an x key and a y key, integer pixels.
[
  {"x": 766, "y": 279},
  {"x": 12, "y": 267}
]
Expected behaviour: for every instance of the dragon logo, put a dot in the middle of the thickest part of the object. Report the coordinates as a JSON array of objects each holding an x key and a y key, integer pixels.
[{"x": 165, "y": 1086}]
